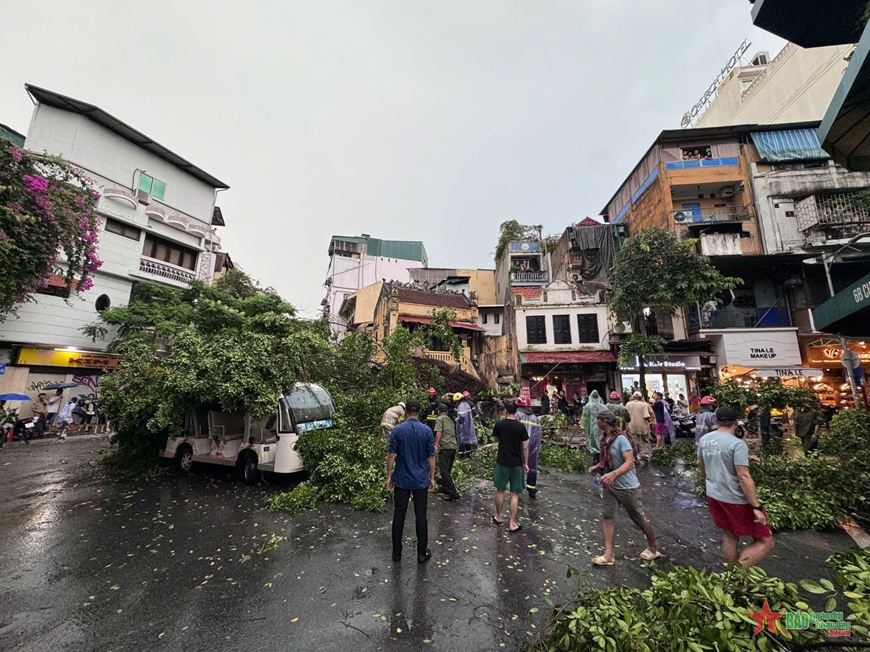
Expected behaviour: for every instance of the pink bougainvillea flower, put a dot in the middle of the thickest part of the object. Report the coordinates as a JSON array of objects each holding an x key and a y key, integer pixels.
[
  {"x": 16, "y": 155},
  {"x": 35, "y": 184}
]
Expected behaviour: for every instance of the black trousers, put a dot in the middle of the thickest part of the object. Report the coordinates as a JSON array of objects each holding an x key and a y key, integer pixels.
[
  {"x": 446, "y": 458},
  {"x": 400, "y": 508}
]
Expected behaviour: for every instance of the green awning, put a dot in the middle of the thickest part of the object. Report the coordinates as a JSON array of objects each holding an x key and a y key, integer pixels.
[
  {"x": 847, "y": 312},
  {"x": 845, "y": 128}
]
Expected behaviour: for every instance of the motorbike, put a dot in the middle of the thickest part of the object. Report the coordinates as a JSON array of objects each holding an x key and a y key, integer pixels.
[{"x": 684, "y": 426}]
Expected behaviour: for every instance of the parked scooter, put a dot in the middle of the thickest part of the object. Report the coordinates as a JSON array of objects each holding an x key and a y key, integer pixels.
[{"x": 684, "y": 426}]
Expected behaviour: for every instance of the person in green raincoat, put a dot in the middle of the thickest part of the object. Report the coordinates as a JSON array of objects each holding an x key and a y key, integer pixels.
[{"x": 590, "y": 426}]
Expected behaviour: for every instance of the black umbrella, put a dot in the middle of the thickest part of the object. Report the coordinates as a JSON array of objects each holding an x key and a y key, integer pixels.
[{"x": 61, "y": 386}]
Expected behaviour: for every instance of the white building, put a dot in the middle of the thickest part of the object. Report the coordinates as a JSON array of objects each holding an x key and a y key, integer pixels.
[
  {"x": 795, "y": 86},
  {"x": 158, "y": 215},
  {"x": 356, "y": 262}
]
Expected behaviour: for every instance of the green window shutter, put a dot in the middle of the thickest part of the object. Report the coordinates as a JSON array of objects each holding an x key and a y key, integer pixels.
[
  {"x": 158, "y": 189},
  {"x": 145, "y": 182}
]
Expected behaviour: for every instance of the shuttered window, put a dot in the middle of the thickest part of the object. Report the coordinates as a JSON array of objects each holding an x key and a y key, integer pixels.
[
  {"x": 561, "y": 329},
  {"x": 587, "y": 329},
  {"x": 536, "y": 330}
]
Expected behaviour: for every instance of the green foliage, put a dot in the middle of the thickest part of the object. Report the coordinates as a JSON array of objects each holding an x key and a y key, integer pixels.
[
  {"x": 48, "y": 225},
  {"x": 656, "y": 270},
  {"x": 558, "y": 422},
  {"x": 734, "y": 394},
  {"x": 513, "y": 231},
  {"x": 480, "y": 464},
  {"x": 562, "y": 458},
  {"x": 848, "y": 435},
  {"x": 769, "y": 393},
  {"x": 808, "y": 493},
  {"x": 639, "y": 345},
  {"x": 685, "y": 609},
  {"x": 303, "y": 496},
  {"x": 441, "y": 333},
  {"x": 682, "y": 449},
  {"x": 852, "y": 571},
  {"x": 129, "y": 396},
  {"x": 238, "y": 284}
]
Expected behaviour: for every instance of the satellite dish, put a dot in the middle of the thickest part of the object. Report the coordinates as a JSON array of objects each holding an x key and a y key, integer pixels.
[{"x": 680, "y": 216}]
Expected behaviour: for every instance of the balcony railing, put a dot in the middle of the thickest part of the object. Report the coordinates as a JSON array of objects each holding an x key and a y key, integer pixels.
[
  {"x": 691, "y": 216},
  {"x": 739, "y": 318},
  {"x": 532, "y": 278},
  {"x": 162, "y": 270},
  {"x": 441, "y": 356},
  {"x": 832, "y": 208}
]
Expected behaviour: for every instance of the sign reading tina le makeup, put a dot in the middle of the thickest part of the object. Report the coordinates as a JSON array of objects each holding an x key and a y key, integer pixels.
[
  {"x": 74, "y": 359},
  {"x": 760, "y": 347}
]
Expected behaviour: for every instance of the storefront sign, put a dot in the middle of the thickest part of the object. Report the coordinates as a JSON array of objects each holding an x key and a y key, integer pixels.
[
  {"x": 690, "y": 363},
  {"x": 760, "y": 348},
  {"x": 833, "y": 355},
  {"x": 792, "y": 372},
  {"x": 74, "y": 359},
  {"x": 854, "y": 298}
]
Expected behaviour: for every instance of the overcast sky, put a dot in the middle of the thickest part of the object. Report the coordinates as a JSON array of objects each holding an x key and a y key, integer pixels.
[{"x": 431, "y": 121}]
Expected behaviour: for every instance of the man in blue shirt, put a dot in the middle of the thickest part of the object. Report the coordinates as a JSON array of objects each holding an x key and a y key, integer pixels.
[
  {"x": 621, "y": 488},
  {"x": 411, "y": 473}
]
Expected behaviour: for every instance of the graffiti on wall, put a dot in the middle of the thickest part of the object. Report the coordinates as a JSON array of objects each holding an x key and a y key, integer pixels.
[{"x": 91, "y": 382}]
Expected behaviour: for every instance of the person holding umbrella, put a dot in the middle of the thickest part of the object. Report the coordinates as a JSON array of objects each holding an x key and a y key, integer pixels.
[{"x": 54, "y": 405}]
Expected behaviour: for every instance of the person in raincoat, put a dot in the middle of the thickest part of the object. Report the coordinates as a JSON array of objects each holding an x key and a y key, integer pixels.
[
  {"x": 392, "y": 418},
  {"x": 590, "y": 425},
  {"x": 465, "y": 432},
  {"x": 432, "y": 408},
  {"x": 533, "y": 428}
]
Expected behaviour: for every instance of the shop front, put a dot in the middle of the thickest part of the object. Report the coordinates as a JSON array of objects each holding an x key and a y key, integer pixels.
[
  {"x": 672, "y": 375},
  {"x": 36, "y": 369},
  {"x": 832, "y": 386},
  {"x": 747, "y": 352},
  {"x": 576, "y": 372}
]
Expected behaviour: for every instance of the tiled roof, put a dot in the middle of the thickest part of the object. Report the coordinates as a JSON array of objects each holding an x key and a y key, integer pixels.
[
  {"x": 528, "y": 292},
  {"x": 554, "y": 357},
  {"x": 588, "y": 221},
  {"x": 436, "y": 299}
]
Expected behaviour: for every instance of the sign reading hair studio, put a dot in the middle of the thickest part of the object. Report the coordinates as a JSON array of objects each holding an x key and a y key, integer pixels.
[{"x": 760, "y": 348}]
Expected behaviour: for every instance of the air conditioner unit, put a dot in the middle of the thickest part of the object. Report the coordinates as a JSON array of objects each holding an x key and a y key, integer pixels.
[
  {"x": 577, "y": 278},
  {"x": 727, "y": 191},
  {"x": 680, "y": 216},
  {"x": 144, "y": 197}
]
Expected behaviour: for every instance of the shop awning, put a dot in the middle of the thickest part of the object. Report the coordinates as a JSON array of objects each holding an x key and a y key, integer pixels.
[
  {"x": 789, "y": 145},
  {"x": 568, "y": 357},
  {"x": 846, "y": 125},
  {"x": 847, "y": 312},
  {"x": 467, "y": 325}
]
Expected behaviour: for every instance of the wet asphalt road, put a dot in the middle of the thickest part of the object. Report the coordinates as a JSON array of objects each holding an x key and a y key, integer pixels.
[{"x": 180, "y": 563}]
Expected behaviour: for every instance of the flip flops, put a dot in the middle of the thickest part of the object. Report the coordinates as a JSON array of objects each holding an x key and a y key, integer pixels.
[
  {"x": 601, "y": 560},
  {"x": 518, "y": 528},
  {"x": 649, "y": 555},
  {"x": 496, "y": 521}
]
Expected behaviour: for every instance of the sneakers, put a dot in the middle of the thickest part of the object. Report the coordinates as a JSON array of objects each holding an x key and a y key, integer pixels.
[{"x": 422, "y": 559}]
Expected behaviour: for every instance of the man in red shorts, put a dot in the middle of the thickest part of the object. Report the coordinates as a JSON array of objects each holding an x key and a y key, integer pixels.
[{"x": 723, "y": 460}]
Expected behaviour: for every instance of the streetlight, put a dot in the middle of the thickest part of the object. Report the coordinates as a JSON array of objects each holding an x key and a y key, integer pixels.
[{"x": 826, "y": 262}]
